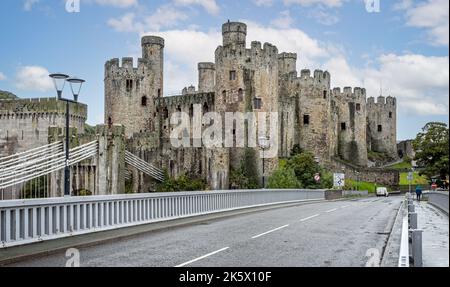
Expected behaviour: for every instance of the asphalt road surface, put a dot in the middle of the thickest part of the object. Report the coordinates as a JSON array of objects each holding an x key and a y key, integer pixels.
[{"x": 341, "y": 233}]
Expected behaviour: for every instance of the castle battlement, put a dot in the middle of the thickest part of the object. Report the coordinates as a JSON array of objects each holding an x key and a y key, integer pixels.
[
  {"x": 41, "y": 107},
  {"x": 285, "y": 55},
  {"x": 349, "y": 93},
  {"x": 382, "y": 102},
  {"x": 319, "y": 78},
  {"x": 174, "y": 101}
]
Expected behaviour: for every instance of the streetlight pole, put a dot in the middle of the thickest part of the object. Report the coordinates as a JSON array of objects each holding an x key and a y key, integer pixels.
[
  {"x": 59, "y": 81},
  {"x": 263, "y": 143}
]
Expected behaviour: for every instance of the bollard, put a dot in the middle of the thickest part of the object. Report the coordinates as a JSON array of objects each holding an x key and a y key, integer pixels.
[
  {"x": 417, "y": 247},
  {"x": 413, "y": 220},
  {"x": 411, "y": 208}
]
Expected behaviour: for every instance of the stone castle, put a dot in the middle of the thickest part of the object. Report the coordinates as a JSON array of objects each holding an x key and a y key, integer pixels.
[{"x": 336, "y": 125}]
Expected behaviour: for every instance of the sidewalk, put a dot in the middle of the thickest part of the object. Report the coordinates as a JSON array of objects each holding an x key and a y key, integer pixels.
[{"x": 435, "y": 238}]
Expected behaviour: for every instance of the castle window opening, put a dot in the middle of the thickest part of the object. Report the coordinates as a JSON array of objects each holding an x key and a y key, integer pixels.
[
  {"x": 144, "y": 101},
  {"x": 224, "y": 96},
  {"x": 166, "y": 113},
  {"x": 306, "y": 120},
  {"x": 380, "y": 128},
  {"x": 358, "y": 107},
  {"x": 390, "y": 115},
  {"x": 191, "y": 111},
  {"x": 138, "y": 83},
  {"x": 159, "y": 93},
  {"x": 240, "y": 95},
  {"x": 257, "y": 103},
  {"x": 343, "y": 126},
  {"x": 129, "y": 85},
  {"x": 324, "y": 94},
  {"x": 110, "y": 121},
  {"x": 179, "y": 108},
  {"x": 232, "y": 75}
]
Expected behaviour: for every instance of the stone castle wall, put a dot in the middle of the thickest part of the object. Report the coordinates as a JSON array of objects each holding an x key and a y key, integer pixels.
[{"x": 24, "y": 123}]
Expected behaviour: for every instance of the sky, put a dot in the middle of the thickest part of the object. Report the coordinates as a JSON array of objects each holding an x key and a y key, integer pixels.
[{"x": 400, "y": 49}]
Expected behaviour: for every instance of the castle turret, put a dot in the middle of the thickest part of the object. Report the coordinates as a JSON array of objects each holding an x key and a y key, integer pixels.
[
  {"x": 234, "y": 34},
  {"x": 382, "y": 125},
  {"x": 130, "y": 90},
  {"x": 287, "y": 63},
  {"x": 206, "y": 77},
  {"x": 350, "y": 109}
]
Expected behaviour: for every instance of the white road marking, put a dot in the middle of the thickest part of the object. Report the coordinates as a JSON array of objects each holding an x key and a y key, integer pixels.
[
  {"x": 308, "y": 218},
  {"x": 270, "y": 231},
  {"x": 331, "y": 210},
  {"x": 202, "y": 257}
]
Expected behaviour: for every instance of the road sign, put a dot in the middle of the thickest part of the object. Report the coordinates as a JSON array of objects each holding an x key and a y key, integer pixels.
[
  {"x": 410, "y": 176},
  {"x": 317, "y": 177},
  {"x": 339, "y": 180}
]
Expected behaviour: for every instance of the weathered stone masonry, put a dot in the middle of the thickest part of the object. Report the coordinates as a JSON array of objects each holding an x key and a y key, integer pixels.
[{"x": 329, "y": 122}]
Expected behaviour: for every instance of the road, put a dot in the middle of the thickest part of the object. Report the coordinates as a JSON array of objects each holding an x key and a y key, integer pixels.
[{"x": 321, "y": 234}]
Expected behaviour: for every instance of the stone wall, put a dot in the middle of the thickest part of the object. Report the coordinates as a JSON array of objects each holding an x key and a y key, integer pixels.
[{"x": 24, "y": 123}]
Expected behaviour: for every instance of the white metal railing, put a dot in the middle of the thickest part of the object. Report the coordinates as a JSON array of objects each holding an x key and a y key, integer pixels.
[
  {"x": 33, "y": 164},
  {"x": 143, "y": 166},
  {"x": 403, "y": 260},
  {"x": 28, "y": 221}
]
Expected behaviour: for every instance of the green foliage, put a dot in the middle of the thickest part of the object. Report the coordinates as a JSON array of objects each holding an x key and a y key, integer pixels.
[
  {"x": 361, "y": 185},
  {"x": 296, "y": 149},
  {"x": 378, "y": 157},
  {"x": 305, "y": 168},
  {"x": 283, "y": 178},
  {"x": 406, "y": 164},
  {"x": 83, "y": 192},
  {"x": 417, "y": 179},
  {"x": 432, "y": 150},
  {"x": 7, "y": 95},
  {"x": 246, "y": 176},
  {"x": 182, "y": 183},
  {"x": 89, "y": 130}
]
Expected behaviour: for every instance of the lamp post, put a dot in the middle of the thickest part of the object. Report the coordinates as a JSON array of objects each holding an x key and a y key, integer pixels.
[
  {"x": 264, "y": 144},
  {"x": 59, "y": 81}
]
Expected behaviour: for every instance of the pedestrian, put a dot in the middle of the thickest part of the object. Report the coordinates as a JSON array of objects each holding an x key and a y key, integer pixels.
[{"x": 419, "y": 193}]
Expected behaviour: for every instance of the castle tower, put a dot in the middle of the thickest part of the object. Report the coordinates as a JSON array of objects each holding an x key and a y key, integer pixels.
[
  {"x": 234, "y": 34},
  {"x": 287, "y": 63},
  {"x": 130, "y": 90},
  {"x": 351, "y": 124},
  {"x": 313, "y": 112},
  {"x": 382, "y": 125},
  {"x": 206, "y": 77},
  {"x": 246, "y": 81}
]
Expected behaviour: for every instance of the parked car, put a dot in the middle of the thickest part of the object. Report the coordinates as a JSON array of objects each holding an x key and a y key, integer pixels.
[{"x": 382, "y": 191}]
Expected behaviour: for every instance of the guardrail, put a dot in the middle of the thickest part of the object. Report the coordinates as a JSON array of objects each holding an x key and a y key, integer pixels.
[
  {"x": 411, "y": 239},
  {"x": 28, "y": 221},
  {"x": 439, "y": 199}
]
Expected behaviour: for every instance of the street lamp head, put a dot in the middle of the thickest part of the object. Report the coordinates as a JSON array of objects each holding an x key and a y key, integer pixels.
[
  {"x": 75, "y": 85},
  {"x": 59, "y": 80}
]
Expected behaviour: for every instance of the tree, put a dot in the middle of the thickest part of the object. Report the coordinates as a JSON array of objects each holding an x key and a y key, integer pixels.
[
  {"x": 432, "y": 150},
  {"x": 283, "y": 178},
  {"x": 305, "y": 168},
  {"x": 246, "y": 176}
]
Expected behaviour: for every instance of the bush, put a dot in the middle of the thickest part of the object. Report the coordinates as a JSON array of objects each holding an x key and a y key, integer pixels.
[
  {"x": 182, "y": 183},
  {"x": 283, "y": 178},
  {"x": 246, "y": 176}
]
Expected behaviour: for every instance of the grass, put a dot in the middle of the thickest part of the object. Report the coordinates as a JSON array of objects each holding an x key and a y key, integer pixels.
[
  {"x": 402, "y": 166},
  {"x": 417, "y": 179},
  {"x": 361, "y": 185}
]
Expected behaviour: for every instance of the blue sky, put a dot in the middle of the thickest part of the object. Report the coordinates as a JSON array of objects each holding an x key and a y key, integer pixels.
[{"x": 403, "y": 48}]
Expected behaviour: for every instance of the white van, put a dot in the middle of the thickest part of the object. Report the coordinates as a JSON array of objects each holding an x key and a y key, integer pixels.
[{"x": 382, "y": 191}]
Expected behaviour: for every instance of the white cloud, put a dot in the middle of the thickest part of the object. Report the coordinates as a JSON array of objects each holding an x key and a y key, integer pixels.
[
  {"x": 28, "y": 4},
  {"x": 432, "y": 15},
  {"x": 263, "y": 3},
  {"x": 33, "y": 78},
  {"x": 420, "y": 83},
  {"x": 117, "y": 3},
  {"x": 210, "y": 6},
  {"x": 164, "y": 17},
  {"x": 324, "y": 16},
  {"x": 328, "y": 3},
  {"x": 2, "y": 76},
  {"x": 284, "y": 21}
]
